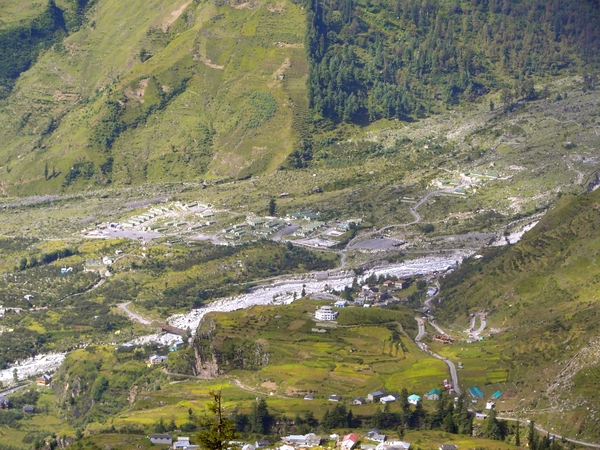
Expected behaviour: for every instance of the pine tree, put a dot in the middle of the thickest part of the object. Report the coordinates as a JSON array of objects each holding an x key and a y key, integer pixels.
[
  {"x": 491, "y": 428},
  {"x": 463, "y": 419},
  {"x": 405, "y": 407},
  {"x": 159, "y": 427},
  {"x": 272, "y": 207},
  {"x": 216, "y": 430},
  {"x": 260, "y": 419},
  {"x": 328, "y": 421},
  {"x": 518, "y": 434},
  {"x": 401, "y": 430},
  {"x": 532, "y": 438}
]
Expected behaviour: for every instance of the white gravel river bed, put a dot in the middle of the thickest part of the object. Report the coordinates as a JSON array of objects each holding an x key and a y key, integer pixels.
[{"x": 282, "y": 292}]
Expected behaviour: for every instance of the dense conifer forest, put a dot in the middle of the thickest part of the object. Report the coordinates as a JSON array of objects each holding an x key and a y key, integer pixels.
[{"x": 373, "y": 59}]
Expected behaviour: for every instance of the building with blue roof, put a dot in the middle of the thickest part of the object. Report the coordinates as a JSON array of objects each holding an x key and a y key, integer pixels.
[
  {"x": 414, "y": 399},
  {"x": 475, "y": 392}
]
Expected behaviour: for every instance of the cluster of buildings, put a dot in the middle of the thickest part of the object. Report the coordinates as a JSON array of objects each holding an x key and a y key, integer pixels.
[
  {"x": 443, "y": 338},
  {"x": 259, "y": 226},
  {"x": 383, "y": 397},
  {"x": 367, "y": 296},
  {"x": 183, "y": 443},
  {"x": 5, "y": 404},
  {"x": 375, "y": 440},
  {"x": 377, "y": 396},
  {"x": 477, "y": 394},
  {"x": 374, "y": 294}
]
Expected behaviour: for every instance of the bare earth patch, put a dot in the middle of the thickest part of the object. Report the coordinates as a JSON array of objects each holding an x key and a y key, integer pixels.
[
  {"x": 295, "y": 324},
  {"x": 142, "y": 90},
  {"x": 284, "y": 45},
  {"x": 248, "y": 5},
  {"x": 270, "y": 385},
  {"x": 207, "y": 62},
  {"x": 174, "y": 16},
  {"x": 293, "y": 392},
  {"x": 276, "y": 9},
  {"x": 61, "y": 97}
]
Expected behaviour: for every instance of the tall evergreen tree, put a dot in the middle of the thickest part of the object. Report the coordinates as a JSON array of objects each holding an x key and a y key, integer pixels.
[
  {"x": 260, "y": 419},
  {"x": 532, "y": 437},
  {"x": 216, "y": 431},
  {"x": 491, "y": 427}
]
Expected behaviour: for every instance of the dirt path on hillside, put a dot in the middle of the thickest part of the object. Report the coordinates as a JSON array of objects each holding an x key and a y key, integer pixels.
[
  {"x": 96, "y": 285},
  {"x": 174, "y": 16},
  {"x": 450, "y": 364},
  {"x": 413, "y": 212},
  {"x": 207, "y": 62}
]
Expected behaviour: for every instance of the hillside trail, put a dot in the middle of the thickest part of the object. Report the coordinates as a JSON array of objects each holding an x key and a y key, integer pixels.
[
  {"x": 95, "y": 285},
  {"x": 421, "y": 333},
  {"x": 550, "y": 433},
  {"x": 242, "y": 386},
  {"x": 413, "y": 212},
  {"x": 99, "y": 282}
]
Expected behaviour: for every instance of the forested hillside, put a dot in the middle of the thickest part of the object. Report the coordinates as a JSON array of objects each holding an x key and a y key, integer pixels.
[{"x": 372, "y": 59}]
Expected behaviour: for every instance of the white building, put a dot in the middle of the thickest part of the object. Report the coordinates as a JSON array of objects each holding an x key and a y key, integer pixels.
[{"x": 326, "y": 313}]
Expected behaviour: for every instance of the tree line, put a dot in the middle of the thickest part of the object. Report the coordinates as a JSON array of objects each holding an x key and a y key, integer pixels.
[
  {"x": 46, "y": 258},
  {"x": 218, "y": 429}
]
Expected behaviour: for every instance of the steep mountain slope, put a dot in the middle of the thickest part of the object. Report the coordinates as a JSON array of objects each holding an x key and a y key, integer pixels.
[
  {"x": 154, "y": 92},
  {"x": 542, "y": 297},
  {"x": 101, "y": 92}
]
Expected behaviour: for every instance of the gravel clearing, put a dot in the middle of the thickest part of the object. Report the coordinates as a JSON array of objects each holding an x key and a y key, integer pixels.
[
  {"x": 165, "y": 339},
  {"x": 37, "y": 365},
  {"x": 516, "y": 236}
]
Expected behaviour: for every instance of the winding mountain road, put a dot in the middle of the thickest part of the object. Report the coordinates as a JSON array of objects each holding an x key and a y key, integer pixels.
[
  {"x": 413, "y": 211},
  {"x": 482, "y": 324},
  {"x": 450, "y": 364},
  {"x": 454, "y": 374},
  {"x": 95, "y": 285}
]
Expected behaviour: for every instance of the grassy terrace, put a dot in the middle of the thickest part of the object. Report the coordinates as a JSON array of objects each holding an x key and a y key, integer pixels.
[{"x": 368, "y": 352}]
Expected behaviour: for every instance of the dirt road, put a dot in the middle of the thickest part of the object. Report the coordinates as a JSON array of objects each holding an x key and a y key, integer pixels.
[{"x": 132, "y": 315}]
